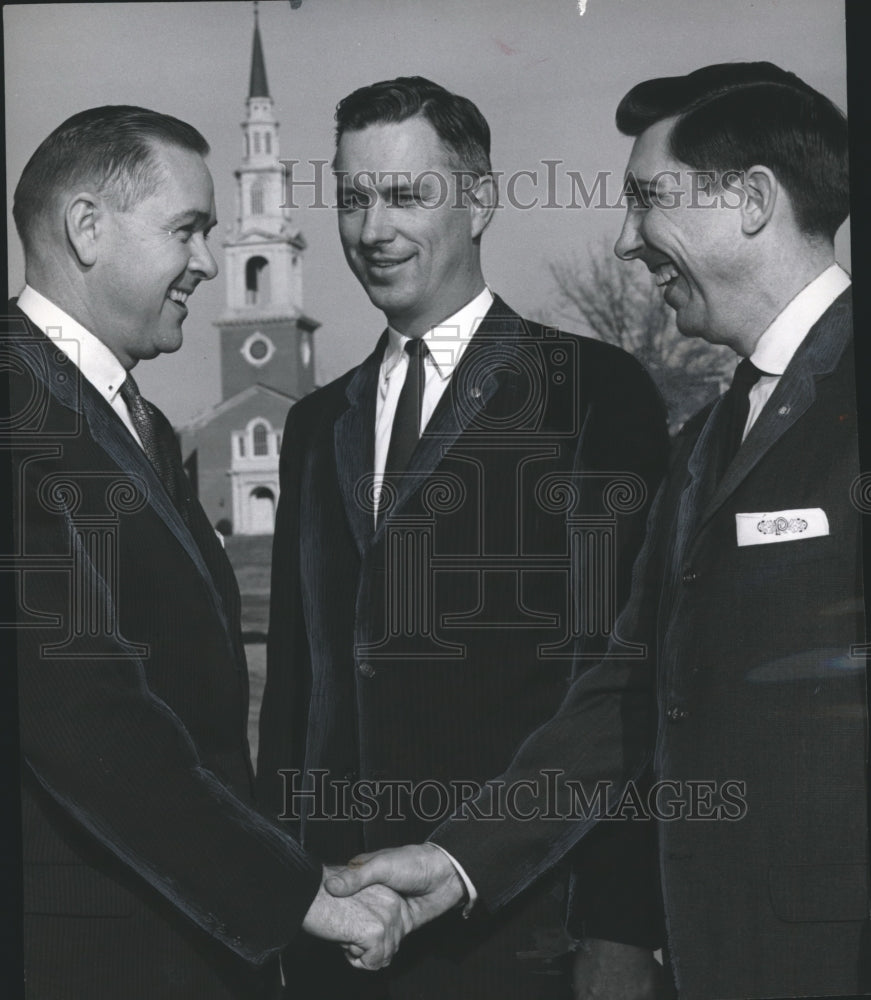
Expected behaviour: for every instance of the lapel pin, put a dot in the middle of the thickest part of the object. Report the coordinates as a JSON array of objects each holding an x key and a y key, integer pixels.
[
  {"x": 783, "y": 410},
  {"x": 476, "y": 392}
]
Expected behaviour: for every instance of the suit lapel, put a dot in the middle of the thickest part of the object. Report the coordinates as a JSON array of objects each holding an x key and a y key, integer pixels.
[
  {"x": 112, "y": 436},
  {"x": 816, "y": 358},
  {"x": 482, "y": 372},
  {"x": 109, "y": 433},
  {"x": 354, "y": 441},
  {"x": 484, "y": 369}
]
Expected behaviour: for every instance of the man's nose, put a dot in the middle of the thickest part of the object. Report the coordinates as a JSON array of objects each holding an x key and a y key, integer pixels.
[
  {"x": 377, "y": 225},
  {"x": 202, "y": 260},
  {"x": 629, "y": 242}
]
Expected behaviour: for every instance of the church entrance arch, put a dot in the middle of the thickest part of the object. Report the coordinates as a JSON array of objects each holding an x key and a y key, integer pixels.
[{"x": 261, "y": 511}]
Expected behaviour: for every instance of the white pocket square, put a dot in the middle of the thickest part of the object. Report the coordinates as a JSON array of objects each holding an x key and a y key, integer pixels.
[{"x": 767, "y": 527}]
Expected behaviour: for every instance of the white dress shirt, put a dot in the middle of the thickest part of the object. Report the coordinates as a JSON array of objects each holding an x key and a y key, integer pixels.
[
  {"x": 782, "y": 338},
  {"x": 89, "y": 354},
  {"x": 446, "y": 343}
]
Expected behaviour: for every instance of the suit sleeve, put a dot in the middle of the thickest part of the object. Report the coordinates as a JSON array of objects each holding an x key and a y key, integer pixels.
[
  {"x": 119, "y": 761},
  {"x": 615, "y": 893},
  {"x": 602, "y": 736}
]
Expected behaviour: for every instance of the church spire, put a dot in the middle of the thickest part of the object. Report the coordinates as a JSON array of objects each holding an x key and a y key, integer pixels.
[{"x": 258, "y": 86}]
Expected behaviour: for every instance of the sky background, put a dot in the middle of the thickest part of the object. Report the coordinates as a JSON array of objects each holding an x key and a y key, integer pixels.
[{"x": 547, "y": 78}]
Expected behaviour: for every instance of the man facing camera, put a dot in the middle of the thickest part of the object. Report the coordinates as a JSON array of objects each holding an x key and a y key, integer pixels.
[
  {"x": 457, "y": 522},
  {"x": 148, "y": 871},
  {"x": 748, "y": 592}
]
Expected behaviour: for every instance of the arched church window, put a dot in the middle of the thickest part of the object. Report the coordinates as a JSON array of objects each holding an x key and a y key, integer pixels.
[
  {"x": 256, "y": 142},
  {"x": 257, "y": 281},
  {"x": 267, "y": 139},
  {"x": 261, "y": 445}
]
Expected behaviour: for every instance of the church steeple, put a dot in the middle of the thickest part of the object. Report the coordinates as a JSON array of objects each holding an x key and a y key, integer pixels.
[
  {"x": 265, "y": 333},
  {"x": 260, "y": 127},
  {"x": 267, "y": 341},
  {"x": 258, "y": 87}
]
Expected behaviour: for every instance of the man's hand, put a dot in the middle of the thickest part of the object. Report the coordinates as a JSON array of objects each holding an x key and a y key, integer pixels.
[
  {"x": 369, "y": 925},
  {"x": 422, "y": 873}
]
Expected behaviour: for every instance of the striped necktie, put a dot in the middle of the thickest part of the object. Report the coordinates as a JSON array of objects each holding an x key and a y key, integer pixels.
[{"x": 158, "y": 441}]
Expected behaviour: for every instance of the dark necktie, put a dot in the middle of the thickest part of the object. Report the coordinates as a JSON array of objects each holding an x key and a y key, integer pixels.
[
  {"x": 406, "y": 422},
  {"x": 745, "y": 377},
  {"x": 158, "y": 441}
]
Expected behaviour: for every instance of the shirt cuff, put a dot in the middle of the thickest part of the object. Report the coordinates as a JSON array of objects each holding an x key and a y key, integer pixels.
[{"x": 471, "y": 892}]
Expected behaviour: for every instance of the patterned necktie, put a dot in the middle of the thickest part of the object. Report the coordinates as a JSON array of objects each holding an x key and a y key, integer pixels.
[
  {"x": 158, "y": 441},
  {"x": 161, "y": 447},
  {"x": 745, "y": 377},
  {"x": 406, "y": 422}
]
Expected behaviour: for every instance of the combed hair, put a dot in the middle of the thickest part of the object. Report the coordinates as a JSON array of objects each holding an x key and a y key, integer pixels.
[
  {"x": 456, "y": 120},
  {"x": 110, "y": 149},
  {"x": 731, "y": 116}
]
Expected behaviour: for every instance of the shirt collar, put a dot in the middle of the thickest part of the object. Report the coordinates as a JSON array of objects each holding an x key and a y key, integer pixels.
[
  {"x": 781, "y": 339},
  {"x": 446, "y": 341},
  {"x": 88, "y": 353}
]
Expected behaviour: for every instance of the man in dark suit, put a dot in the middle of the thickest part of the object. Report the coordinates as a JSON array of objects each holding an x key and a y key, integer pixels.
[
  {"x": 431, "y": 592},
  {"x": 748, "y": 591},
  {"x": 147, "y": 870}
]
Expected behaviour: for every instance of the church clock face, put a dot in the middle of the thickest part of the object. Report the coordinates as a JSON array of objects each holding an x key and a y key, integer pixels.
[{"x": 257, "y": 349}]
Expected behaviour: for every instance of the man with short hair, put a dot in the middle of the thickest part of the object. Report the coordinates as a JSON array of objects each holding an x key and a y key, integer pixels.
[
  {"x": 148, "y": 872},
  {"x": 452, "y": 512},
  {"x": 748, "y": 592}
]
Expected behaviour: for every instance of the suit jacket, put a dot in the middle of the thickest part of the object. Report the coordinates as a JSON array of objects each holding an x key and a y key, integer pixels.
[
  {"x": 147, "y": 870},
  {"x": 425, "y": 650},
  {"x": 760, "y": 687}
]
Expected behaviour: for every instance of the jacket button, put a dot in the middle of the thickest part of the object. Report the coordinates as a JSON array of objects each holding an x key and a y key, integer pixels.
[
  {"x": 689, "y": 575},
  {"x": 366, "y": 669},
  {"x": 676, "y": 714}
]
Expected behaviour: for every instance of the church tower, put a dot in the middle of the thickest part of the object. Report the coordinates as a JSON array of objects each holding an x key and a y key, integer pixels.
[
  {"x": 267, "y": 350},
  {"x": 265, "y": 336}
]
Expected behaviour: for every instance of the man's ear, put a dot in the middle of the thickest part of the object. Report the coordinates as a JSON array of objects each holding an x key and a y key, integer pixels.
[
  {"x": 82, "y": 224},
  {"x": 483, "y": 197},
  {"x": 761, "y": 189}
]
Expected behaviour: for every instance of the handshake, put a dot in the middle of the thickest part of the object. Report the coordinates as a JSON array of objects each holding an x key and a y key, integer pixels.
[{"x": 371, "y": 904}]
